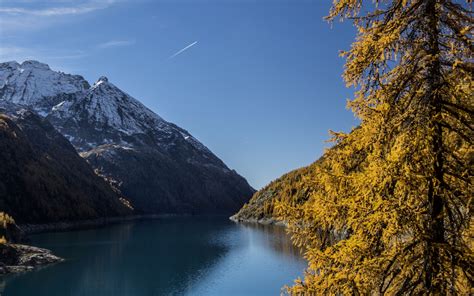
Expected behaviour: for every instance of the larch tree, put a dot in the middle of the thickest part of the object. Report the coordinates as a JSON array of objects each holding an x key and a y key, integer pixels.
[
  {"x": 391, "y": 212},
  {"x": 5, "y": 222}
]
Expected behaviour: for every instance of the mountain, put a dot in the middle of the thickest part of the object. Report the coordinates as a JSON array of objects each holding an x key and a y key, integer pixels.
[
  {"x": 159, "y": 166},
  {"x": 43, "y": 179}
]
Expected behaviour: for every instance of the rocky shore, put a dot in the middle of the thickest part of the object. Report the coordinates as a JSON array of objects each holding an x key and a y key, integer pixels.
[
  {"x": 264, "y": 221},
  {"x": 16, "y": 258}
]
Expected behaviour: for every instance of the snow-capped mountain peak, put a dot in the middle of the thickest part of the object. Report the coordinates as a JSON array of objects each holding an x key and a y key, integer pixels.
[
  {"x": 34, "y": 84},
  {"x": 100, "y": 114}
]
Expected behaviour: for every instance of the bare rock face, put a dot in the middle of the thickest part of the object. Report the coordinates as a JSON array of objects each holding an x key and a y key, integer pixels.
[
  {"x": 21, "y": 258},
  {"x": 158, "y": 166}
]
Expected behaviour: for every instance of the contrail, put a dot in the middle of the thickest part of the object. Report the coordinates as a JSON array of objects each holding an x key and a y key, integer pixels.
[{"x": 184, "y": 49}]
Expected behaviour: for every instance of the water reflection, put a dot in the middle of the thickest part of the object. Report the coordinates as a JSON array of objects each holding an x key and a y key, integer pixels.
[
  {"x": 275, "y": 237},
  {"x": 173, "y": 256}
]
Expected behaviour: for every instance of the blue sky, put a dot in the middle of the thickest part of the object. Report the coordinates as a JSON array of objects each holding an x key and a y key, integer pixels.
[{"x": 259, "y": 82}]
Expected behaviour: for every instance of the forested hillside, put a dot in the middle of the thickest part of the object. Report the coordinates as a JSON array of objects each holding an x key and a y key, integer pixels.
[
  {"x": 295, "y": 187},
  {"x": 43, "y": 179}
]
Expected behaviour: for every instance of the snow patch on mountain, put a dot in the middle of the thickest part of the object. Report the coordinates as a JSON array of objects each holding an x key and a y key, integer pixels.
[
  {"x": 107, "y": 105},
  {"x": 33, "y": 83}
]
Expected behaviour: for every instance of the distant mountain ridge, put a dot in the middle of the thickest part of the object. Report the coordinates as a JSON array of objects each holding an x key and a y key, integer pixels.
[{"x": 159, "y": 166}]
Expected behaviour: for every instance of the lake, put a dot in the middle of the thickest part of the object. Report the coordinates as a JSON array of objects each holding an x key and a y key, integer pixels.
[{"x": 168, "y": 256}]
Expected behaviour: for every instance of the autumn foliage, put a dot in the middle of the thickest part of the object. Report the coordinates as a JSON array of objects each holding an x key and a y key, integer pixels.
[
  {"x": 5, "y": 221},
  {"x": 390, "y": 209}
]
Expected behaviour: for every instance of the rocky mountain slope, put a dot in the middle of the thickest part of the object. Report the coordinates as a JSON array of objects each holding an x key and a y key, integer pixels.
[
  {"x": 159, "y": 166},
  {"x": 43, "y": 179}
]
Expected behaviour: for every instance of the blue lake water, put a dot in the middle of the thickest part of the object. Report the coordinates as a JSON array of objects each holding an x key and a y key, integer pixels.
[{"x": 169, "y": 256}]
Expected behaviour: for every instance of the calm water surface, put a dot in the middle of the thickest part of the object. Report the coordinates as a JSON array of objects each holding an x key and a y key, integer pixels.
[{"x": 169, "y": 256}]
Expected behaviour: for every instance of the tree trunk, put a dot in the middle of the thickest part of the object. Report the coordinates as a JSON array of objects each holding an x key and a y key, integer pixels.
[{"x": 435, "y": 199}]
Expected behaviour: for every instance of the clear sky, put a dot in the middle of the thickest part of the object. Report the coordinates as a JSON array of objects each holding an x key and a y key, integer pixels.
[{"x": 258, "y": 82}]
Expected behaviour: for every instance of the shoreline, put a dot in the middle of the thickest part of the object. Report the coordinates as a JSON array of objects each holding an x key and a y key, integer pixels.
[
  {"x": 28, "y": 229},
  {"x": 27, "y": 258},
  {"x": 19, "y": 258},
  {"x": 262, "y": 221}
]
